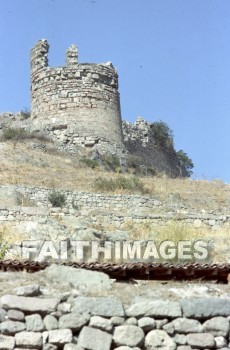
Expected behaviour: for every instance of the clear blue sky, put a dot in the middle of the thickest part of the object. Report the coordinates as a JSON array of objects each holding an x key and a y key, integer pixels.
[{"x": 172, "y": 56}]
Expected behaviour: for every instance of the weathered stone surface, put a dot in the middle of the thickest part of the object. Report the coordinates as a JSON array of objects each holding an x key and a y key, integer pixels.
[
  {"x": 15, "y": 315},
  {"x": 218, "y": 326},
  {"x": 49, "y": 347},
  {"x": 126, "y": 348},
  {"x": 117, "y": 321},
  {"x": 180, "y": 339},
  {"x": 60, "y": 336},
  {"x": 128, "y": 335},
  {"x": 146, "y": 323},
  {"x": 101, "y": 323},
  {"x": 185, "y": 326},
  {"x": 72, "y": 346},
  {"x": 50, "y": 322},
  {"x": 78, "y": 278},
  {"x": 29, "y": 304},
  {"x": 34, "y": 323},
  {"x": 205, "y": 308},
  {"x": 99, "y": 306},
  {"x": 158, "y": 339},
  {"x": 29, "y": 339},
  {"x": 221, "y": 342},
  {"x": 12, "y": 327},
  {"x": 94, "y": 339},
  {"x": 3, "y": 314},
  {"x": 64, "y": 308},
  {"x": 6, "y": 342},
  {"x": 157, "y": 308},
  {"x": 160, "y": 323},
  {"x": 184, "y": 347},
  {"x": 73, "y": 321},
  {"x": 132, "y": 321},
  {"x": 28, "y": 291},
  {"x": 169, "y": 328},
  {"x": 201, "y": 340}
]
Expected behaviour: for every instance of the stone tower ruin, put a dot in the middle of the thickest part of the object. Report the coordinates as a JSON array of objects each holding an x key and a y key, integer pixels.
[{"x": 78, "y": 104}]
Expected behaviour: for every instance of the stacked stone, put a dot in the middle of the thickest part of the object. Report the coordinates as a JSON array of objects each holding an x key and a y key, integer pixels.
[
  {"x": 78, "y": 104},
  {"x": 30, "y": 321}
]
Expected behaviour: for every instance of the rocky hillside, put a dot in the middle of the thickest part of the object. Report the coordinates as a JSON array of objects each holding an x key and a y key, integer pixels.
[{"x": 152, "y": 145}]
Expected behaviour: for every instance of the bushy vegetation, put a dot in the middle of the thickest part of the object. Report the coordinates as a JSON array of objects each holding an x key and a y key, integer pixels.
[
  {"x": 3, "y": 245},
  {"x": 185, "y": 161},
  {"x": 91, "y": 163},
  {"x": 57, "y": 199},
  {"x": 132, "y": 184},
  {"x": 15, "y": 134},
  {"x": 163, "y": 137},
  {"x": 111, "y": 162},
  {"x": 136, "y": 165},
  {"x": 162, "y": 134}
]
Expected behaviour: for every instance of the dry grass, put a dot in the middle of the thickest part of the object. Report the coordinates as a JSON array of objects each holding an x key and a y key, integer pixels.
[{"x": 24, "y": 165}]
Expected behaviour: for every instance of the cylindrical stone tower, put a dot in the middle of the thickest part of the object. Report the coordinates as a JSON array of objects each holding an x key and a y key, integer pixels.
[{"x": 79, "y": 104}]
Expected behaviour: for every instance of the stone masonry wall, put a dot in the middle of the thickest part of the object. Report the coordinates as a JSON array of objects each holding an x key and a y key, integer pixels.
[
  {"x": 29, "y": 319},
  {"x": 77, "y": 104},
  {"x": 113, "y": 209}
]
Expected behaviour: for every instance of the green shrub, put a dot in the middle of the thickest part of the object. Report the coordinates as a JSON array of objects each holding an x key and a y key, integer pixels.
[
  {"x": 15, "y": 134},
  {"x": 57, "y": 199},
  {"x": 91, "y": 163},
  {"x": 134, "y": 161},
  {"x": 162, "y": 134},
  {"x": 185, "y": 162},
  {"x": 120, "y": 183},
  {"x": 111, "y": 161}
]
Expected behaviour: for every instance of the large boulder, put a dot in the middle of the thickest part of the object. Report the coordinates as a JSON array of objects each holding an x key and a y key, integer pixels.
[{"x": 79, "y": 278}]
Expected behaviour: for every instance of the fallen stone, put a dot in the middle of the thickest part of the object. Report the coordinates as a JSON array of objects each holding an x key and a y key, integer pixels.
[
  {"x": 101, "y": 323},
  {"x": 29, "y": 304},
  {"x": 201, "y": 340},
  {"x": 12, "y": 327},
  {"x": 94, "y": 339},
  {"x": 128, "y": 335},
  {"x": 34, "y": 323},
  {"x": 6, "y": 342},
  {"x": 60, "y": 336},
  {"x": 218, "y": 326},
  {"x": 29, "y": 339},
  {"x": 79, "y": 278},
  {"x": 15, "y": 315},
  {"x": 154, "y": 308},
  {"x": 50, "y": 322},
  {"x": 158, "y": 339},
  {"x": 205, "y": 308},
  {"x": 73, "y": 321},
  {"x": 99, "y": 306},
  {"x": 28, "y": 291}
]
